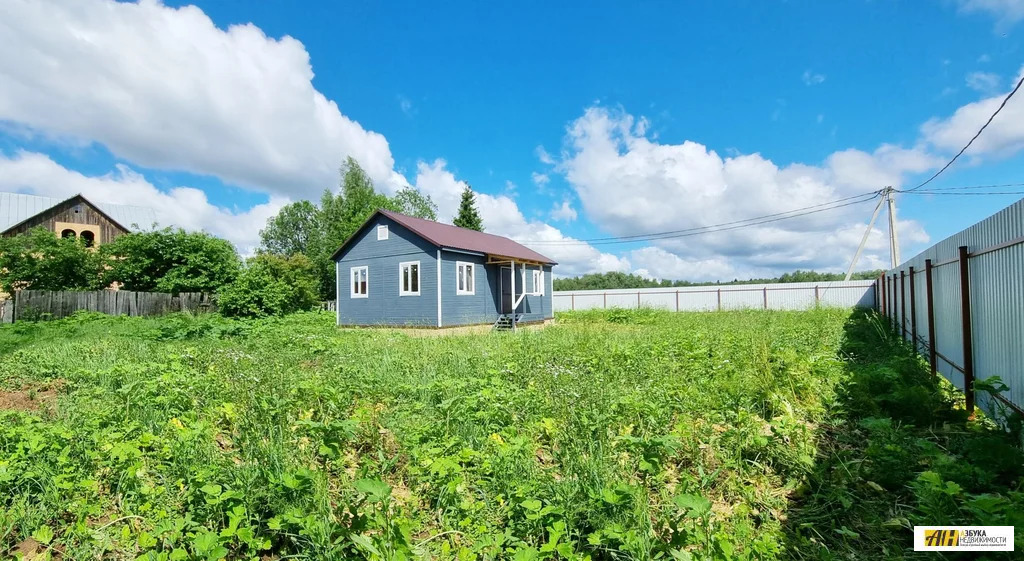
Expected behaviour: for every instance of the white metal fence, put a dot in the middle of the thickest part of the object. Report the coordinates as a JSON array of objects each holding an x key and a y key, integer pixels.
[
  {"x": 962, "y": 302},
  {"x": 779, "y": 296}
]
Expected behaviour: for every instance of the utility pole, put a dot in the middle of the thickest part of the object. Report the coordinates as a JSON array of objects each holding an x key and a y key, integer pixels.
[
  {"x": 864, "y": 240},
  {"x": 894, "y": 244}
]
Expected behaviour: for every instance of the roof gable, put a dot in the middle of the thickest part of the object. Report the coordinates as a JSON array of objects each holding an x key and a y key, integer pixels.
[
  {"x": 446, "y": 236},
  {"x": 18, "y": 208}
]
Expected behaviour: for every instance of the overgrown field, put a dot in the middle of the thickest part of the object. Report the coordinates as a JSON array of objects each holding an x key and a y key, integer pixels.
[{"x": 612, "y": 435}]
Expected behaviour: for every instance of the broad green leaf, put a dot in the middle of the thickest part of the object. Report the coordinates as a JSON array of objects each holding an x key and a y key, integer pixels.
[
  {"x": 375, "y": 489},
  {"x": 43, "y": 534},
  {"x": 532, "y": 505},
  {"x": 695, "y": 505},
  {"x": 211, "y": 489}
]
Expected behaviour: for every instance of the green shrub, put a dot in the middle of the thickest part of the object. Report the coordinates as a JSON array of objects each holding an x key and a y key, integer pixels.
[
  {"x": 39, "y": 260},
  {"x": 270, "y": 285},
  {"x": 169, "y": 261}
]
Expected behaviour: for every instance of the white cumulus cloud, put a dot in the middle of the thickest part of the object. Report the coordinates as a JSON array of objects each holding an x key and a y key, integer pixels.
[
  {"x": 563, "y": 212},
  {"x": 1005, "y": 135},
  {"x": 167, "y": 89},
  {"x": 630, "y": 184}
]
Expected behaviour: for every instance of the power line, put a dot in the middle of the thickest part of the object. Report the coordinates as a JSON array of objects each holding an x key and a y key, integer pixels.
[
  {"x": 637, "y": 237},
  {"x": 725, "y": 226},
  {"x": 966, "y": 187},
  {"x": 975, "y": 137},
  {"x": 978, "y": 193}
]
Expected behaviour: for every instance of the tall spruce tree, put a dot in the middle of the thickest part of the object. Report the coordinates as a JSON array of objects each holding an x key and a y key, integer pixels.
[{"x": 468, "y": 216}]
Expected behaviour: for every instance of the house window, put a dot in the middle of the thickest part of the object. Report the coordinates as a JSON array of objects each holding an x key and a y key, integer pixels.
[
  {"x": 464, "y": 278},
  {"x": 382, "y": 232},
  {"x": 409, "y": 278},
  {"x": 538, "y": 283},
  {"x": 360, "y": 282}
]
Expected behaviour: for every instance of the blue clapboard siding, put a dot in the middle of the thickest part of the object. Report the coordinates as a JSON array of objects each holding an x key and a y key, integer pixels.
[
  {"x": 384, "y": 306},
  {"x": 484, "y": 305},
  {"x": 465, "y": 309}
]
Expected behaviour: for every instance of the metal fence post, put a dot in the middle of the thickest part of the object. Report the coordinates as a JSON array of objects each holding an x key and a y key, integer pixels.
[
  {"x": 965, "y": 310},
  {"x": 882, "y": 283},
  {"x": 913, "y": 311},
  {"x": 604, "y": 300},
  {"x": 638, "y": 299},
  {"x": 930, "y": 306},
  {"x": 899, "y": 298},
  {"x": 719, "y": 299},
  {"x": 903, "y": 305},
  {"x": 766, "y": 297},
  {"x": 892, "y": 312},
  {"x": 677, "y": 300},
  {"x": 572, "y": 301}
]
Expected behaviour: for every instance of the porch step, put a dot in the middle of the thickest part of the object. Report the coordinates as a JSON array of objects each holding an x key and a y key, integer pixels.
[{"x": 505, "y": 323}]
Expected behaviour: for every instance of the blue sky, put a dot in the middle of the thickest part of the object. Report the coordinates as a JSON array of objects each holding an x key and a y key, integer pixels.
[{"x": 571, "y": 120}]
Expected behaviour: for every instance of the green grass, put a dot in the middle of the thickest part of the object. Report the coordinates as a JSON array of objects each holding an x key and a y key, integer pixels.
[{"x": 613, "y": 435}]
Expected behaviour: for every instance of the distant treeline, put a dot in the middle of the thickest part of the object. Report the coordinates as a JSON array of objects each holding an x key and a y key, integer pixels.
[{"x": 605, "y": 281}]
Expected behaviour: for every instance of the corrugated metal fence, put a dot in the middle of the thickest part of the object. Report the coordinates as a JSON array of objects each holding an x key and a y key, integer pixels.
[
  {"x": 55, "y": 304},
  {"x": 962, "y": 302},
  {"x": 779, "y": 296}
]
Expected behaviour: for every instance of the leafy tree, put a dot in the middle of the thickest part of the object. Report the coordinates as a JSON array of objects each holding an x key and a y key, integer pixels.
[
  {"x": 297, "y": 228},
  {"x": 39, "y": 260},
  {"x": 271, "y": 285},
  {"x": 316, "y": 231},
  {"x": 412, "y": 202},
  {"x": 468, "y": 216},
  {"x": 169, "y": 260}
]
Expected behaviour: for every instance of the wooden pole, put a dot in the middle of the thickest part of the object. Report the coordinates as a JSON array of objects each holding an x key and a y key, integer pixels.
[
  {"x": 965, "y": 310},
  {"x": 572, "y": 301},
  {"x": 913, "y": 311},
  {"x": 719, "y": 299},
  {"x": 903, "y": 305},
  {"x": 677, "y": 300},
  {"x": 766, "y": 297},
  {"x": 604, "y": 300},
  {"x": 817, "y": 297},
  {"x": 638, "y": 299},
  {"x": 930, "y": 306}
]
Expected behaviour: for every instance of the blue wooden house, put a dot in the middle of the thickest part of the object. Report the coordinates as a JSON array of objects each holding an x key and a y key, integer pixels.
[{"x": 398, "y": 270}]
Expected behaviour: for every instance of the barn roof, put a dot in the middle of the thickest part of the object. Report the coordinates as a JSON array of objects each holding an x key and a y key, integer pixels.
[
  {"x": 447, "y": 236},
  {"x": 16, "y": 208}
]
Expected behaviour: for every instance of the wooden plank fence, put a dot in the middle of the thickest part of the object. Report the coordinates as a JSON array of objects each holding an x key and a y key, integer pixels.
[{"x": 55, "y": 304}]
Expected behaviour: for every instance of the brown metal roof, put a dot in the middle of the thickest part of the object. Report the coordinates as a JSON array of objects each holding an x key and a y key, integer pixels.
[{"x": 453, "y": 237}]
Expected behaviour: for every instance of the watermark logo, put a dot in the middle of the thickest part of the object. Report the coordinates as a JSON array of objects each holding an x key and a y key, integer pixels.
[{"x": 963, "y": 538}]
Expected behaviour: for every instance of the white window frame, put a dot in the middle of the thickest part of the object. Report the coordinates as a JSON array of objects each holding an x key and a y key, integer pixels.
[
  {"x": 352, "y": 281},
  {"x": 460, "y": 268},
  {"x": 401, "y": 278},
  {"x": 382, "y": 232},
  {"x": 538, "y": 282}
]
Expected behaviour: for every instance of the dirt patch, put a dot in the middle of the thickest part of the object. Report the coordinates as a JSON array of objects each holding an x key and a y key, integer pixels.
[{"x": 42, "y": 397}]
